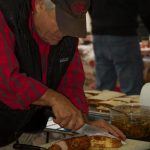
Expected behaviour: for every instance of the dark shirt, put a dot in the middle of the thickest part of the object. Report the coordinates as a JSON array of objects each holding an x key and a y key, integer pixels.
[{"x": 118, "y": 17}]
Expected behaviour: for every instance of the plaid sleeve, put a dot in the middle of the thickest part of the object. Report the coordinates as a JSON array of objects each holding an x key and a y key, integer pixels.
[
  {"x": 16, "y": 89},
  {"x": 72, "y": 84}
]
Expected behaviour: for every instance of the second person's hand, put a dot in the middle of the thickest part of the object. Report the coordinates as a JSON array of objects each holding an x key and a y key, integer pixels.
[{"x": 108, "y": 127}]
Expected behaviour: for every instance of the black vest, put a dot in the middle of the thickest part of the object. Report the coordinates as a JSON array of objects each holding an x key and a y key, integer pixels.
[{"x": 15, "y": 122}]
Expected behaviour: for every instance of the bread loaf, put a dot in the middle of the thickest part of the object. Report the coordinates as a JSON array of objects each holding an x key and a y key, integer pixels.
[
  {"x": 85, "y": 142},
  {"x": 104, "y": 142},
  {"x": 74, "y": 143}
]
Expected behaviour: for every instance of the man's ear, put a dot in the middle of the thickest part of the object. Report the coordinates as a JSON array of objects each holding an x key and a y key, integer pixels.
[{"x": 39, "y": 5}]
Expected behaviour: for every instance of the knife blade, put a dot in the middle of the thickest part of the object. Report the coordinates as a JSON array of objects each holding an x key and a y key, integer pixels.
[{"x": 87, "y": 129}]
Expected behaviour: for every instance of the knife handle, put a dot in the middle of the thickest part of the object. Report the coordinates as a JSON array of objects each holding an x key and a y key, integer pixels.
[
  {"x": 49, "y": 112},
  {"x": 46, "y": 110},
  {"x": 19, "y": 146}
]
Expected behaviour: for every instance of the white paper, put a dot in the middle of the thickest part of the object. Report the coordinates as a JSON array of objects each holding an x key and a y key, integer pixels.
[{"x": 145, "y": 95}]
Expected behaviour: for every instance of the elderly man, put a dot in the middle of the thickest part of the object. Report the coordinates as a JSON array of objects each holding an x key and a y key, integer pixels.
[{"x": 41, "y": 67}]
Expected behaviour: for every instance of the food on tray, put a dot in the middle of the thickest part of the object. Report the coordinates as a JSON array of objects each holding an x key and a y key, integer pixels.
[
  {"x": 102, "y": 109},
  {"x": 105, "y": 106},
  {"x": 86, "y": 142},
  {"x": 104, "y": 142},
  {"x": 123, "y": 99},
  {"x": 92, "y": 92},
  {"x": 136, "y": 124},
  {"x": 94, "y": 103},
  {"x": 102, "y": 101},
  {"x": 111, "y": 103},
  {"x": 74, "y": 143},
  {"x": 107, "y": 95},
  {"x": 88, "y": 95},
  {"x": 134, "y": 98}
]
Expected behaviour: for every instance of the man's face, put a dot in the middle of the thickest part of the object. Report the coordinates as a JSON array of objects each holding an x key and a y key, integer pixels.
[{"x": 45, "y": 23}]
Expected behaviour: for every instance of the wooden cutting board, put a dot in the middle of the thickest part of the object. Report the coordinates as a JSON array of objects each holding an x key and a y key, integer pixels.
[{"x": 131, "y": 145}]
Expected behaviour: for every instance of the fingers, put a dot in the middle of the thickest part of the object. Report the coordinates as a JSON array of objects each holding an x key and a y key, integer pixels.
[
  {"x": 62, "y": 122},
  {"x": 110, "y": 128},
  {"x": 72, "y": 122},
  {"x": 119, "y": 132},
  {"x": 69, "y": 117},
  {"x": 79, "y": 123},
  {"x": 113, "y": 130}
]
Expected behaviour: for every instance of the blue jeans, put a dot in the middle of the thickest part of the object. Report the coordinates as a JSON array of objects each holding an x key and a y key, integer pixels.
[{"x": 118, "y": 57}]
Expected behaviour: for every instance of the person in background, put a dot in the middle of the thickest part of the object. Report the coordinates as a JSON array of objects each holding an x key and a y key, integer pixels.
[
  {"x": 142, "y": 31},
  {"x": 41, "y": 71},
  {"x": 116, "y": 44}
]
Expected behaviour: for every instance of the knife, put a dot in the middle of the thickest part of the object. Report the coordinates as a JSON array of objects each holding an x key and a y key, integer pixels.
[
  {"x": 19, "y": 146},
  {"x": 87, "y": 129}
]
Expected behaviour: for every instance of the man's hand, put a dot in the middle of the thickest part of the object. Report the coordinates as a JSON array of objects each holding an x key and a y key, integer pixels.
[
  {"x": 66, "y": 114},
  {"x": 108, "y": 127}
]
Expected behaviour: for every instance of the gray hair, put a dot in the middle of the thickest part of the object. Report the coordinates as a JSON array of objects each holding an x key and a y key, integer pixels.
[{"x": 49, "y": 4}]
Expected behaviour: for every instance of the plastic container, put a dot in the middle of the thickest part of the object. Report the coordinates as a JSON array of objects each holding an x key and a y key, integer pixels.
[{"x": 136, "y": 124}]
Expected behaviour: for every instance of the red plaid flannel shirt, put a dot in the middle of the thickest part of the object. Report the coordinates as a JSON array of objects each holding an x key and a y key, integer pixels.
[{"x": 18, "y": 91}]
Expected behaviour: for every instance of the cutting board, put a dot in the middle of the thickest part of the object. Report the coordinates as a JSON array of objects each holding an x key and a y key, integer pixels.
[{"x": 131, "y": 145}]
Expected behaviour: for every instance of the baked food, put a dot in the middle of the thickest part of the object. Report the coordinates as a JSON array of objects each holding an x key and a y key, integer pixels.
[
  {"x": 74, "y": 143},
  {"x": 92, "y": 92},
  {"x": 103, "y": 109},
  {"x": 104, "y": 142},
  {"x": 86, "y": 142},
  {"x": 107, "y": 95}
]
